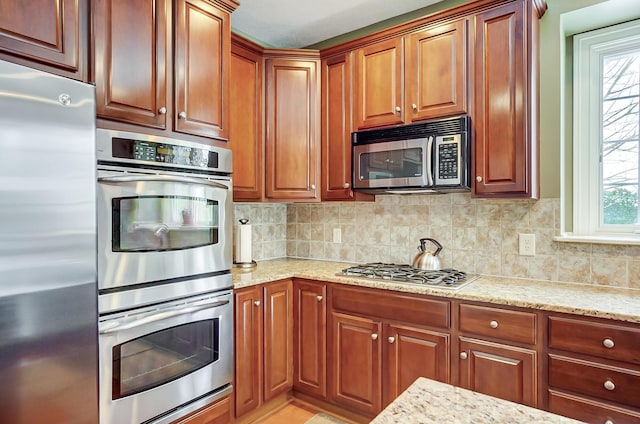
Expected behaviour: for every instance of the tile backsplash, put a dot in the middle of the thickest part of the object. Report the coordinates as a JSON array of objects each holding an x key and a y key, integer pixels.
[{"x": 478, "y": 235}]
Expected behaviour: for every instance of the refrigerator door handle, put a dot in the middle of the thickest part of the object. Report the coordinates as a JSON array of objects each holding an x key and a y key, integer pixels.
[
  {"x": 115, "y": 326},
  {"x": 159, "y": 178}
]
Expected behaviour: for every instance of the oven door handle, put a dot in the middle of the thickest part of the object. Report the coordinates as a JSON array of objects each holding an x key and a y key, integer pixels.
[
  {"x": 115, "y": 326},
  {"x": 160, "y": 178}
]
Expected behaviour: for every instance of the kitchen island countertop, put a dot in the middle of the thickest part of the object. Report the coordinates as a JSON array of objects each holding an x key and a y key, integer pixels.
[
  {"x": 581, "y": 299},
  {"x": 428, "y": 401}
]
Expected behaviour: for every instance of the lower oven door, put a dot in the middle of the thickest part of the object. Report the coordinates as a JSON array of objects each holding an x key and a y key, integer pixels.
[
  {"x": 155, "y": 228},
  {"x": 160, "y": 358}
]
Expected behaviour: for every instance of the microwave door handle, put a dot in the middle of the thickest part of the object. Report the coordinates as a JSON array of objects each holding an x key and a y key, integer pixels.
[
  {"x": 159, "y": 178},
  {"x": 116, "y": 326},
  {"x": 430, "y": 161}
]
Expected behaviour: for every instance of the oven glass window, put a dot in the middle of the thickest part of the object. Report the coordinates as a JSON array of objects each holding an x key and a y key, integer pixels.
[
  {"x": 405, "y": 163},
  {"x": 149, "y": 361},
  {"x": 160, "y": 223}
]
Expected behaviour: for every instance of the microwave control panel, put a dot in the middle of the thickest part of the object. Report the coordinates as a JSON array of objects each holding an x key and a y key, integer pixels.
[{"x": 448, "y": 160}]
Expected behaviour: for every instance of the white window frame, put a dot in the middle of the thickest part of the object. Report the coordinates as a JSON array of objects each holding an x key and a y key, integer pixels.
[{"x": 589, "y": 49}]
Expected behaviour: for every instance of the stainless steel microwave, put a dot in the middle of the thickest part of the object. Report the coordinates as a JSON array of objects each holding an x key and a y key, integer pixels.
[{"x": 427, "y": 157}]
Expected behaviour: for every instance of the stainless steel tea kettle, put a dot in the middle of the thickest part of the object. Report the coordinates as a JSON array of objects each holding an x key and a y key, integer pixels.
[{"x": 427, "y": 259}]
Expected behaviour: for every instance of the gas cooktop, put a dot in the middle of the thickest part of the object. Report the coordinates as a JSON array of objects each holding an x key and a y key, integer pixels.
[{"x": 443, "y": 278}]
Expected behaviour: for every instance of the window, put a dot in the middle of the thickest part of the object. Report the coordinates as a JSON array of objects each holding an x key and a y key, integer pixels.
[{"x": 606, "y": 132}]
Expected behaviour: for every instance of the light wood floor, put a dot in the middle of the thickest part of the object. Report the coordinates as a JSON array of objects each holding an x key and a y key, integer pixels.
[{"x": 293, "y": 413}]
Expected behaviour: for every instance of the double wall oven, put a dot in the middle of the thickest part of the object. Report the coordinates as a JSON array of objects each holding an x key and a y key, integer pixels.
[{"x": 165, "y": 296}]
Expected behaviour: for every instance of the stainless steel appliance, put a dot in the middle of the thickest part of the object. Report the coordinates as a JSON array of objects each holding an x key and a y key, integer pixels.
[
  {"x": 164, "y": 280},
  {"x": 48, "y": 310},
  {"x": 161, "y": 362},
  {"x": 444, "y": 278},
  {"x": 427, "y": 157}
]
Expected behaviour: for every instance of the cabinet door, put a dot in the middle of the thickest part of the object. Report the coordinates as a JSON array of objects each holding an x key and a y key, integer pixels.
[
  {"x": 378, "y": 78},
  {"x": 310, "y": 337},
  {"x": 245, "y": 134},
  {"x": 278, "y": 338},
  {"x": 248, "y": 349},
  {"x": 293, "y": 138},
  {"x": 50, "y": 35},
  {"x": 130, "y": 61},
  {"x": 356, "y": 367},
  {"x": 436, "y": 72},
  {"x": 413, "y": 353},
  {"x": 202, "y": 52},
  {"x": 503, "y": 371},
  {"x": 505, "y": 160}
]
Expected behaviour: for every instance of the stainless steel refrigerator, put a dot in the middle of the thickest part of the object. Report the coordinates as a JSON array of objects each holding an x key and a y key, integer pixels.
[{"x": 48, "y": 291}]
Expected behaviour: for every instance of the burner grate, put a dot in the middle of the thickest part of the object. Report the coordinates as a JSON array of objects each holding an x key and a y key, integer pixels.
[{"x": 449, "y": 278}]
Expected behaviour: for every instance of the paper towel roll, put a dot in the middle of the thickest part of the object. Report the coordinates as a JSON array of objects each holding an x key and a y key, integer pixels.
[{"x": 243, "y": 243}]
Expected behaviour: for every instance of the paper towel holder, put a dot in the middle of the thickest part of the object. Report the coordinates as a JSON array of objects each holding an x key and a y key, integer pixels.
[{"x": 240, "y": 261}]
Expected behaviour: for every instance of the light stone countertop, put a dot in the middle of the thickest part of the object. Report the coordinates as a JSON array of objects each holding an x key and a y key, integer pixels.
[
  {"x": 582, "y": 299},
  {"x": 428, "y": 401}
]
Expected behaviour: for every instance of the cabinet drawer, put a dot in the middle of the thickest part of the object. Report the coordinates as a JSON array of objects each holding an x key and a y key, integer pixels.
[
  {"x": 611, "y": 383},
  {"x": 503, "y": 324},
  {"x": 593, "y": 338},
  {"x": 391, "y": 305},
  {"x": 588, "y": 410}
]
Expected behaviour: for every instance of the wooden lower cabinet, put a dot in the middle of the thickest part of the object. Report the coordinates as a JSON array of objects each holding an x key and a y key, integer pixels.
[
  {"x": 357, "y": 363},
  {"x": 310, "y": 337},
  {"x": 589, "y": 410},
  {"x": 504, "y": 371},
  {"x": 218, "y": 412},
  {"x": 411, "y": 353},
  {"x": 263, "y": 344}
]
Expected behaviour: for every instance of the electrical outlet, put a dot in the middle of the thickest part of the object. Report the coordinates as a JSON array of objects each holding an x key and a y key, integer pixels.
[
  {"x": 527, "y": 244},
  {"x": 337, "y": 235}
]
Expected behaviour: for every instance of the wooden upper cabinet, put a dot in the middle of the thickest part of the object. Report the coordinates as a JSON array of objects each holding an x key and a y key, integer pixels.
[
  {"x": 506, "y": 102},
  {"x": 292, "y": 142},
  {"x": 246, "y": 134},
  {"x": 378, "y": 84},
  {"x": 50, "y": 35},
  {"x": 436, "y": 72},
  {"x": 131, "y": 60},
  {"x": 203, "y": 49}
]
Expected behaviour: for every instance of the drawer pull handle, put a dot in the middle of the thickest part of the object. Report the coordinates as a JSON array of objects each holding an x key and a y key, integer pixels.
[
  {"x": 493, "y": 324},
  {"x": 609, "y": 422},
  {"x": 463, "y": 355},
  {"x": 609, "y": 385},
  {"x": 391, "y": 339},
  {"x": 608, "y": 343},
  {"x": 374, "y": 336}
]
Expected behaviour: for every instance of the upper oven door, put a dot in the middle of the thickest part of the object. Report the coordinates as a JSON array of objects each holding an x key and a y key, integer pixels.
[
  {"x": 153, "y": 228},
  {"x": 403, "y": 163}
]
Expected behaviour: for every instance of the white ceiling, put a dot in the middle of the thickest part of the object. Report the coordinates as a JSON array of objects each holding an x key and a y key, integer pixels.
[{"x": 300, "y": 23}]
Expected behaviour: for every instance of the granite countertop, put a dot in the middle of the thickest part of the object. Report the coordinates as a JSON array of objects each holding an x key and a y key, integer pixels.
[
  {"x": 582, "y": 299},
  {"x": 429, "y": 401}
]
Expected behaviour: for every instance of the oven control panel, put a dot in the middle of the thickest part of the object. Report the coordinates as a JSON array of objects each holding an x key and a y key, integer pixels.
[{"x": 149, "y": 151}]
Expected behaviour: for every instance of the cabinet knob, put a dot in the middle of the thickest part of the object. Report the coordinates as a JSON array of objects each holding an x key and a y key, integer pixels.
[
  {"x": 609, "y": 385},
  {"x": 257, "y": 303},
  {"x": 493, "y": 324},
  {"x": 391, "y": 339},
  {"x": 398, "y": 109},
  {"x": 479, "y": 179},
  {"x": 609, "y": 422},
  {"x": 162, "y": 110},
  {"x": 182, "y": 115},
  {"x": 374, "y": 336},
  {"x": 319, "y": 298},
  {"x": 313, "y": 186},
  {"x": 608, "y": 343},
  {"x": 463, "y": 355},
  {"x": 414, "y": 107},
  {"x": 346, "y": 185}
]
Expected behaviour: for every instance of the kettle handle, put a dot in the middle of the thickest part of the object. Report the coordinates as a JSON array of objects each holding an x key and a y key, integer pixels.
[{"x": 423, "y": 245}]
